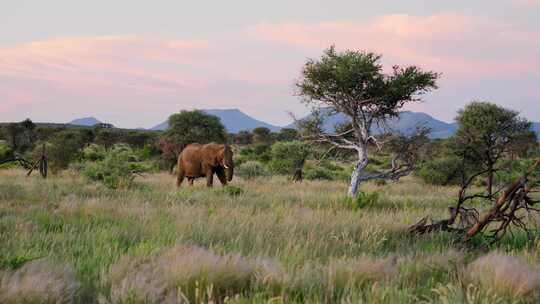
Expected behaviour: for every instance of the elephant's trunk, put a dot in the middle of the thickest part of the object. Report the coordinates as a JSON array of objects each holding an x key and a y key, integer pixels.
[{"x": 230, "y": 172}]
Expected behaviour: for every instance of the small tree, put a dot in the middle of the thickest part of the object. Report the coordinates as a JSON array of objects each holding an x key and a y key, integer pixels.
[
  {"x": 12, "y": 131},
  {"x": 262, "y": 135},
  {"x": 486, "y": 132},
  {"x": 353, "y": 83},
  {"x": 65, "y": 147},
  {"x": 21, "y": 136}
]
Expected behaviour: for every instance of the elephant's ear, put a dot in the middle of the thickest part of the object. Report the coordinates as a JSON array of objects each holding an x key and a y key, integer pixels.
[{"x": 220, "y": 155}]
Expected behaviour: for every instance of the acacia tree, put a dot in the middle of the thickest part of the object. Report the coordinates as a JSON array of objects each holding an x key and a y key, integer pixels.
[
  {"x": 486, "y": 132},
  {"x": 353, "y": 83}
]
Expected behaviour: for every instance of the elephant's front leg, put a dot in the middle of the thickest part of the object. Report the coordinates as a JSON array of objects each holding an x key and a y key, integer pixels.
[
  {"x": 209, "y": 178},
  {"x": 221, "y": 175}
]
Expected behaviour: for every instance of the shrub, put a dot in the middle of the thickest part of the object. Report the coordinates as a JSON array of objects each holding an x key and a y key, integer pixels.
[
  {"x": 317, "y": 173},
  {"x": 362, "y": 200},
  {"x": 251, "y": 169},
  {"x": 288, "y": 156},
  {"x": 5, "y": 150},
  {"x": 116, "y": 170},
  {"x": 65, "y": 147},
  {"x": 441, "y": 171},
  {"x": 94, "y": 152},
  {"x": 258, "y": 152},
  {"x": 326, "y": 170},
  {"x": 39, "y": 281}
]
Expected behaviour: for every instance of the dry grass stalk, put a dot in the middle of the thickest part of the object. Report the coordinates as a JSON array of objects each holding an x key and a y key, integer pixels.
[
  {"x": 504, "y": 274},
  {"x": 39, "y": 281}
]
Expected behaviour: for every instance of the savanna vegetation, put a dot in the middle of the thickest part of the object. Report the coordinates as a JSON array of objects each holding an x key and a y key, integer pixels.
[{"x": 369, "y": 223}]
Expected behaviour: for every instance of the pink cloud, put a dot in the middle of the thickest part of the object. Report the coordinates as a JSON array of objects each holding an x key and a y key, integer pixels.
[
  {"x": 103, "y": 61},
  {"x": 453, "y": 43}
]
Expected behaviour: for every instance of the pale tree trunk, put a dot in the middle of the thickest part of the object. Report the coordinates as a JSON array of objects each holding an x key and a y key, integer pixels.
[{"x": 357, "y": 172}]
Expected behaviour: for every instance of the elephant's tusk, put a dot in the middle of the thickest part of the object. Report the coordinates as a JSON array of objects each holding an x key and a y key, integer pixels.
[{"x": 226, "y": 167}]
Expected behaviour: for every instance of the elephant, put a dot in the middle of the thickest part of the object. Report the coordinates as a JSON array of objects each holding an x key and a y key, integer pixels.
[{"x": 197, "y": 160}]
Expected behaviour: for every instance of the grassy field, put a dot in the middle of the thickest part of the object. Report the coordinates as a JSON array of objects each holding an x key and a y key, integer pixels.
[{"x": 63, "y": 240}]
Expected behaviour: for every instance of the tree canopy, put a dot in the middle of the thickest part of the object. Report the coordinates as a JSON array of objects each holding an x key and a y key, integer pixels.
[{"x": 195, "y": 127}]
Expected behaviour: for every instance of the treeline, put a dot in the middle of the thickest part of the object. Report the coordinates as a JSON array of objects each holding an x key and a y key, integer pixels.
[
  {"x": 492, "y": 138},
  {"x": 66, "y": 145}
]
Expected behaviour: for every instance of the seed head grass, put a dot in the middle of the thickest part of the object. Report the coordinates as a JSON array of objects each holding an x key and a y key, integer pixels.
[{"x": 275, "y": 241}]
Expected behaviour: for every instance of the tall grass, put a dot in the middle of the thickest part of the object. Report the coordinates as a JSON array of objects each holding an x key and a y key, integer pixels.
[
  {"x": 38, "y": 281},
  {"x": 273, "y": 240}
]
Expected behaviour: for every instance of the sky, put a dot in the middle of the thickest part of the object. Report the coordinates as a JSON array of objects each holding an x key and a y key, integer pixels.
[{"x": 134, "y": 62}]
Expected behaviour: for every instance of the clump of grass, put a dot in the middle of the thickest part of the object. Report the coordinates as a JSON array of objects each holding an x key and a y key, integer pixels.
[
  {"x": 13, "y": 262},
  {"x": 362, "y": 200},
  {"x": 328, "y": 283},
  {"x": 188, "y": 272},
  {"x": 506, "y": 275},
  {"x": 251, "y": 170},
  {"x": 452, "y": 293},
  {"x": 39, "y": 281},
  {"x": 360, "y": 270},
  {"x": 232, "y": 191},
  {"x": 11, "y": 191}
]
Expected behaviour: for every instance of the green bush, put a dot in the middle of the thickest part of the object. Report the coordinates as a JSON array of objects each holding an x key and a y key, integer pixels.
[
  {"x": 64, "y": 148},
  {"x": 441, "y": 171},
  {"x": 256, "y": 152},
  {"x": 5, "y": 150},
  {"x": 94, "y": 152},
  {"x": 362, "y": 200},
  {"x": 318, "y": 173},
  {"x": 326, "y": 170},
  {"x": 285, "y": 157},
  {"x": 117, "y": 170},
  {"x": 251, "y": 169}
]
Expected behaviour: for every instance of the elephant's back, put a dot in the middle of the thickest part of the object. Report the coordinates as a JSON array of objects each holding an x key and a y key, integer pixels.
[
  {"x": 190, "y": 160},
  {"x": 191, "y": 153}
]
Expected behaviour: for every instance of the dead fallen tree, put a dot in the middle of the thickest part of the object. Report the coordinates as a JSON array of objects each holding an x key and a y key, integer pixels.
[
  {"x": 42, "y": 164},
  {"x": 508, "y": 210}
]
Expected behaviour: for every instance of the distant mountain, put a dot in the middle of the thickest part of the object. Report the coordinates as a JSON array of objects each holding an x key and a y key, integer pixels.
[
  {"x": 407, "y": 122},
  {"x": 234, "y": 120},
  {"x": 86, "y": 121},
  {"x": 536, "y": 128}
]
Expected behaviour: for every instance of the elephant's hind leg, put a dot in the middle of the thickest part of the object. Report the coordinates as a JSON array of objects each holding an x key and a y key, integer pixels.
[{"x": 180, "y": 177}]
